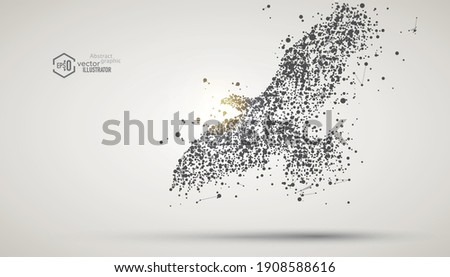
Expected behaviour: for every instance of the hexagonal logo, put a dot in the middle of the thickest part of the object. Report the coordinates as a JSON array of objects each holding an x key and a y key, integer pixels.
[{"x": 64, "y": 65}]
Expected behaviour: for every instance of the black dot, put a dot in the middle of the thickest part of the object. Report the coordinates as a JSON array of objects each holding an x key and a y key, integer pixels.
[
  {"x": 177, "y": 134},
  {"x": 396, "y": 52},
  {"x": 362, "y": 5}
]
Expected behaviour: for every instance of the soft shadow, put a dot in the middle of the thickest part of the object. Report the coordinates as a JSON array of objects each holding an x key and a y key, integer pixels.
[{"x": 267, "y": 236}]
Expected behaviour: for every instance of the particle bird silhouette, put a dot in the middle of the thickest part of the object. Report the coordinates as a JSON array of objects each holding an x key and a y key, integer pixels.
[{"x": 275, "y": 123}]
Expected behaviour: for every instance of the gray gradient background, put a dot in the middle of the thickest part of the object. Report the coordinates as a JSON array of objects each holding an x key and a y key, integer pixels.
[{"x": 62, "y": 193}]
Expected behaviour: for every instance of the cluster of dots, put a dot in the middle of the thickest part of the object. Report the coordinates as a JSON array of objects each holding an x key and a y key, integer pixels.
[{"x": 273, "y": 123}]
